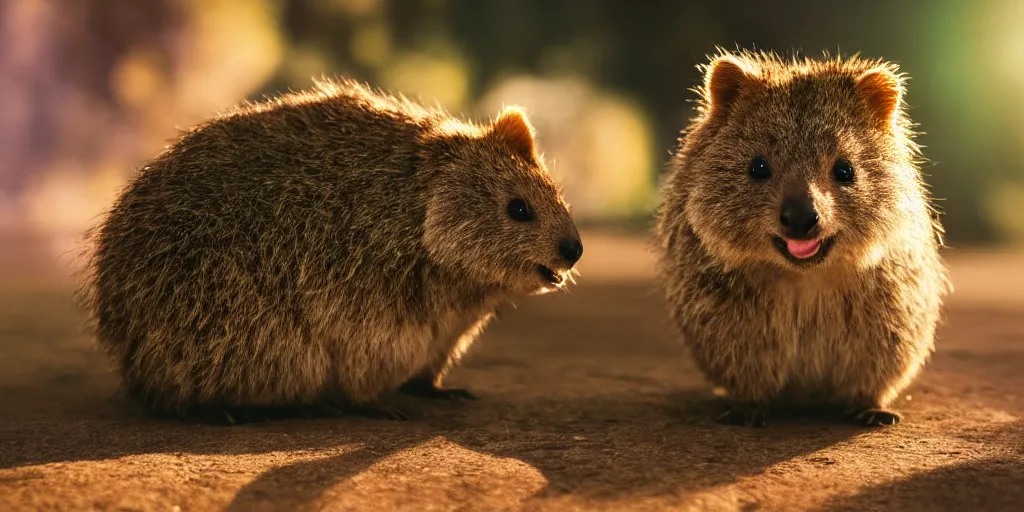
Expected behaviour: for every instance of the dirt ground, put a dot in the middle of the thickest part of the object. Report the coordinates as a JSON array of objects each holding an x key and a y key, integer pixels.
[{"x": 588, "y": 402}]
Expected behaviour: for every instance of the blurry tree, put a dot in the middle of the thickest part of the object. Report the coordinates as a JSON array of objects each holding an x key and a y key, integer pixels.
[
  {"x": 649, "y": 50},
  {"x": 56, "y": 97},
  {"x": 100, "y": 84},
  {"x": 89, "y": 88}
]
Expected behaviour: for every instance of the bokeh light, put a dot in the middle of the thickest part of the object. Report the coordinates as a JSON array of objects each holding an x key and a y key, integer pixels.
[{"x": 88, "y": 93}]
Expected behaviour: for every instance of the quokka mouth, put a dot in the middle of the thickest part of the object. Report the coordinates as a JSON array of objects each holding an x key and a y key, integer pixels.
[
  {"x": 549, "y": 275},
  {"x": 803, "y": 249},
  {"x": 803, "y": 252}
]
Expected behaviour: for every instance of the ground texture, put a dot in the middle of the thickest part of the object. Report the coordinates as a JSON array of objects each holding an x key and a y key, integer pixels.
[{"x": 588, "y": 402}]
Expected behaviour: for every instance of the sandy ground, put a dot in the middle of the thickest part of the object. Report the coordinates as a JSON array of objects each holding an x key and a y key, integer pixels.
[{"x": 587, "y": 403}]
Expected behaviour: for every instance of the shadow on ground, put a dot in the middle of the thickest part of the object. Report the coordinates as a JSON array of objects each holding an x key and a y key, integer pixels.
[
  {"x": 590, "y": 390},
  {"x": 601, "y": 408},
  {"x": 989, "y": 484}
]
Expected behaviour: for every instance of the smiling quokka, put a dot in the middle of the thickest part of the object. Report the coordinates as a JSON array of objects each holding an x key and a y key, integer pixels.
[
  {"x": 799, "y": 251},
  {"x": 307, "y": 254}
]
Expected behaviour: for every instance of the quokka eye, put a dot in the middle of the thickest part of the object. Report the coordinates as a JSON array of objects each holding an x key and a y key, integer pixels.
[
  {"x": 842, "y": 171},
  {"x": 519, "y": 211},
  {"x": 759, "y": 169}
]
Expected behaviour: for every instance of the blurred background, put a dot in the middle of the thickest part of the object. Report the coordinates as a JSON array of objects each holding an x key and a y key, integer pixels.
[
  {"x": 91, "y": 88},
  {"x": 604, "y": 400}
]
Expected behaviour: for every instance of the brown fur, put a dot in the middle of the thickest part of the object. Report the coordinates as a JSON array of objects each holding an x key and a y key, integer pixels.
[
  {"x": 852, "y": 329},
  {"x": 324, "y": 247}
]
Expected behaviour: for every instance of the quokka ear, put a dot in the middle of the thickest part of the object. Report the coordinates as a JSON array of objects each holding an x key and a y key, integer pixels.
[
  {"x": 724, "y": 79},
  {"x": 514, "y": 129},
  {"x": 882, "y": 91}
]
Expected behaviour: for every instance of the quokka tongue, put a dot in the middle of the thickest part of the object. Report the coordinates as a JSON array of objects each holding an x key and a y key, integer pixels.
[{"x": 803, "y": 249}]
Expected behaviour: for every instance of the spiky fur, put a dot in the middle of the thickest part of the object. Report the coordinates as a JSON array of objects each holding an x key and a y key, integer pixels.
[
  {"x": 853, "y": 330},
  {"x": 329, "y": 244}
]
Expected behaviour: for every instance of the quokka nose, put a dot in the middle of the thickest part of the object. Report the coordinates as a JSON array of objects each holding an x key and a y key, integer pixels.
[
  {"x": 571, "y": 249},
  {"x": 799, "y": 217}
]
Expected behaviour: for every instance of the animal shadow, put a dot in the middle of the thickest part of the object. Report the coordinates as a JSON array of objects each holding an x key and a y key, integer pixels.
[
  {"x": 992, "y": 484},
  {"x": 599, "y": 448},
  {"x": 592, "y": 391}
]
